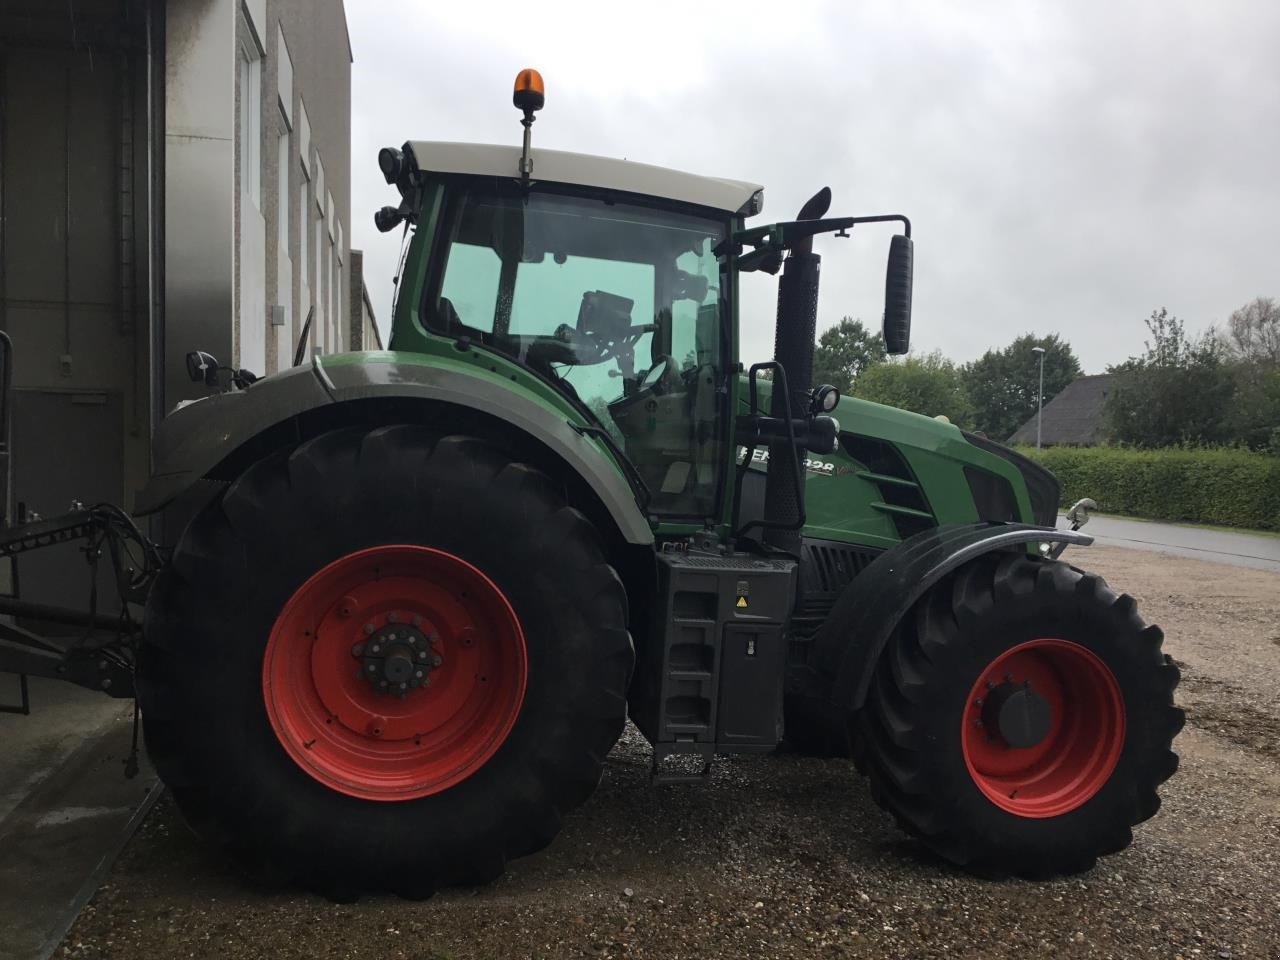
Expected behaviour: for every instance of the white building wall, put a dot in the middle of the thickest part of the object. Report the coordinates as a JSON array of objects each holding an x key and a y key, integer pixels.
[{"x": 199, "y": 164}]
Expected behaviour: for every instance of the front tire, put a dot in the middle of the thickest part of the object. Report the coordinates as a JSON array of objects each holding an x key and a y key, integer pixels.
[
  {"x": 1021, "y": 719},
  {"x": 497, "y": 689}
]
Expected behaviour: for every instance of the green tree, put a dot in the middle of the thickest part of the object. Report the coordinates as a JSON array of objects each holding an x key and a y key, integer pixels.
[
  {"x": 1251, "y": 345},
  {"x": 1252, "y": 334},
  {"x": 929, "y": 384},
  {"x": 1179, "y": 391},
  {"x": 1002, "y": 384},
  {"x": 844, "y": 352}
]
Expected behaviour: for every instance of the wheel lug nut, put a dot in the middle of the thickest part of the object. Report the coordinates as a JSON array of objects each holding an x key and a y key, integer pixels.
[
  {"x": 422, "y": 655},
  {"x": 372, "y": 668},
  {"x": 376, "y": 648},
  {"x": 369, "y": 628},
  {"x": 357, "y": 650},
  {"x": 437, "y": 660},
  {"x": 418, "y": 674}
]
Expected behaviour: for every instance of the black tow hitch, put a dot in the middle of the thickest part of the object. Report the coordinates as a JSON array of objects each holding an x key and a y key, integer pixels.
[{"x": 102, "y": 656}]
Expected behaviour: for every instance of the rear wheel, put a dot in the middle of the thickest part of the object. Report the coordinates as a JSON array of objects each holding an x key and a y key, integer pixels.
[
  {"x": 385, "y": 661},
  {"x": 1021, "y": 719}
]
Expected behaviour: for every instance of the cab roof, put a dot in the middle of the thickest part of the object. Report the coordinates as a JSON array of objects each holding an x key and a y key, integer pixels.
[{"x": 560, "y": 166}]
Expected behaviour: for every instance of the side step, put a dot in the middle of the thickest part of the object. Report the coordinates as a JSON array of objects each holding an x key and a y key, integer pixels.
[
  {"x": 709, "y": 678},
  {"x": 683, "y": 761}
]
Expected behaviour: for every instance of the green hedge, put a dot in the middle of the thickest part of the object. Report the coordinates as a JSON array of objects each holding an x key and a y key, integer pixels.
[{"x": 1230, "y": 488}]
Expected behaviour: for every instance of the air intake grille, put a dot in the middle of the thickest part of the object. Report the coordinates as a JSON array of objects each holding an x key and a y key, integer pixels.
[
  {"x": 900, "y": 494},
  {"x": 826, "y": 568}
]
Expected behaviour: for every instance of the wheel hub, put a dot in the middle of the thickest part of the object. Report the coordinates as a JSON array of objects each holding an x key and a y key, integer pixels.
[
  {"x": 1017, "y": 714},
  {"x": 1044, "y": 727},
  {"x": 352, "y": 650},
  {"x": 397, "y": 658}
]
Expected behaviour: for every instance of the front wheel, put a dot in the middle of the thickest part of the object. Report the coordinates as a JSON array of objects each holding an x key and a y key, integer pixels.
[
  {"x": 385, "y": 660},
  {"x": 1021, "y": 719}
]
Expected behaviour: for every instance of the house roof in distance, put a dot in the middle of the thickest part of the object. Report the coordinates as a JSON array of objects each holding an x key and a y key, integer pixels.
[{"x": 1075, "y": 417}]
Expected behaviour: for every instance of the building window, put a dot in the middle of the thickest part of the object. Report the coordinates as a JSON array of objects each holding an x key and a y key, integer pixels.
[
  {"x": 335, "y": 287},
  {"x": 304, "y": 139},
  {"x": 320, "y": 325},
  {"x": 302, "y": 241},
  {"x": 319, "y": 184},
  {"x": 282, "y": 191},
  {"x": 251, "y": 125}
]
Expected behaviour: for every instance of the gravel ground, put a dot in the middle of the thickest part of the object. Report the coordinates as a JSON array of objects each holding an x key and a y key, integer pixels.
[{"x": 786, "y": 857}]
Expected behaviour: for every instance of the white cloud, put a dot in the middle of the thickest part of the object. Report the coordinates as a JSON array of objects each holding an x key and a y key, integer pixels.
[{"x": 1067, "y": 167}]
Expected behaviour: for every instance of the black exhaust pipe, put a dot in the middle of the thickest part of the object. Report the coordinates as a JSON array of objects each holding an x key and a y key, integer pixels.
[{"x": 793, "y": 344}]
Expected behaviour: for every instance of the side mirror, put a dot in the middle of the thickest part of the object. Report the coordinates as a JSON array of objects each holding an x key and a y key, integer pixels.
[
  {"x": 202, "y": 368},
  {"x": 897, "y": 295},
  {"x": 689, "y": 286}
]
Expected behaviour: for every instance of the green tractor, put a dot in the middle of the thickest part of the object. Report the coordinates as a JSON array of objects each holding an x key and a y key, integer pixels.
[{"x": 418, "y": 593}]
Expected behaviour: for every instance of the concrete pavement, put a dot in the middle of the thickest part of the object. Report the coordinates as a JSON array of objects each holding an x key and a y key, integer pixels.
[
  {"x": 66, "y": 809},
  {"x": 1218, "y": 546},
  {"x": 62, "y": 717}
]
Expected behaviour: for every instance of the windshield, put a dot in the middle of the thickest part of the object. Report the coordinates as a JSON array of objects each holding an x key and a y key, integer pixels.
[{"x": 619, "y": 305}]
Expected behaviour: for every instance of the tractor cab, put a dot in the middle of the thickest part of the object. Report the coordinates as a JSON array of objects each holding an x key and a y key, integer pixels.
[{"x": 620, "y": 304}]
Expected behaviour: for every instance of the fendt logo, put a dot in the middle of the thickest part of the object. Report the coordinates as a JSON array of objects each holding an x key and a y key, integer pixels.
[{"x": 761, "y": 456}]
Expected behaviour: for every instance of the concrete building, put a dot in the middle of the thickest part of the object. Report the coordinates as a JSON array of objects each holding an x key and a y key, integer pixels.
[{"x": 174, "y": 175}]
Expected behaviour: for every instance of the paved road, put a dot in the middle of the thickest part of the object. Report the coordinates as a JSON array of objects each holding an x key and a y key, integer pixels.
[
  {"x": 1218, "y": 546},
  {"x": 66, "y": 808}
]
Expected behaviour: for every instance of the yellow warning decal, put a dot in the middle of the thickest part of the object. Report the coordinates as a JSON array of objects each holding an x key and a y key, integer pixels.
[{"x": 742, "y": 603}]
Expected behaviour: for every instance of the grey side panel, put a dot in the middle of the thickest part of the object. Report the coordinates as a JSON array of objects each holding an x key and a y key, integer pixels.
[
  {"x": 196, "y": 438},
  {"x": 193, "y": 439}
]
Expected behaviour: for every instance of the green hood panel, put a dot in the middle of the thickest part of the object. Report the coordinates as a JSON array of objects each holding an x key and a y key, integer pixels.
[{"x": 851, "y": 500}]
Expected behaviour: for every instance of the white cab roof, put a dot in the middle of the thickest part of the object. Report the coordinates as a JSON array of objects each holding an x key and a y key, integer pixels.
[{"x": 559, "y": 166}]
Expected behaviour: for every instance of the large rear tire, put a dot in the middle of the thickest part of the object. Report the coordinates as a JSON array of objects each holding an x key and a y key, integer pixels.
[
  {"x": 385, "y": 661},
  {"x": 1021, "y": 719}
]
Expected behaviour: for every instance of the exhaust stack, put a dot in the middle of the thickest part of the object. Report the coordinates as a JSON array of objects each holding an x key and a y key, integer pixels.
[{"x": 793, "y": 344}]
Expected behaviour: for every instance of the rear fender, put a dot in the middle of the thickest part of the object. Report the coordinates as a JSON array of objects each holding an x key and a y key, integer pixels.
[
  {"x": 854, "y": 635},
  {"x": 194, "y": 440}
]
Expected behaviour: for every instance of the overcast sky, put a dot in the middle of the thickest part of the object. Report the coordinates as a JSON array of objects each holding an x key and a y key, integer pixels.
[{"x": 1067, "y": 167}]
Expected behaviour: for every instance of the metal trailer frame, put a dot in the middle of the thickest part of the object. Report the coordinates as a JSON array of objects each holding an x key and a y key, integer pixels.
[{"x": 103, "y": 656}]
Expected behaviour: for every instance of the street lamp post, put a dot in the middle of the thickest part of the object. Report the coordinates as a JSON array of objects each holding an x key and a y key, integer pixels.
[{"x": 1040, "y": 394}]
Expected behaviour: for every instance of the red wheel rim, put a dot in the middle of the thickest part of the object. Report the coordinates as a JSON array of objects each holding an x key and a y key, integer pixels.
[
  {"x": 440, "y": 627},
  {"x": 1082, "y": 737}
]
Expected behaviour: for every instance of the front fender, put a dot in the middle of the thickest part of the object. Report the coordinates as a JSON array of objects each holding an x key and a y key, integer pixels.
[
  {"x": 194, "y": 439},
  {"x": 855, "y": 633}
]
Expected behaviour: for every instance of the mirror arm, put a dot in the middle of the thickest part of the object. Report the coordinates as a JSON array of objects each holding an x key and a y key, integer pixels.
[{"x": 772, "y": 239}]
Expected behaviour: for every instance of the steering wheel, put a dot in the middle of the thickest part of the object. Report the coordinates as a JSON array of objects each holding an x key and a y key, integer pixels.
[
  {"x": 659, "y": 378},
  {"x": 622, "y": 346}
]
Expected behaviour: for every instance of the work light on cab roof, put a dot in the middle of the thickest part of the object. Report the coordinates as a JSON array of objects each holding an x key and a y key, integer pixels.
[{"x": 529, "y": 98}]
